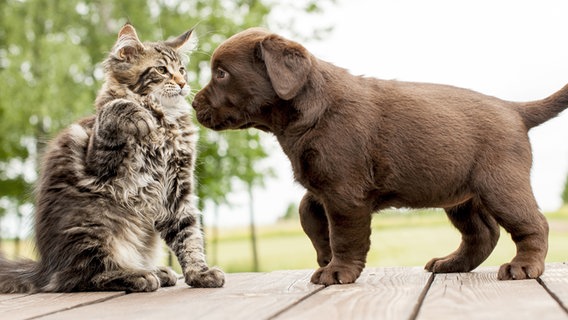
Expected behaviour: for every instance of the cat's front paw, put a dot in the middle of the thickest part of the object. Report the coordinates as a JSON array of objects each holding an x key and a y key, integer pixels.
[
  {"x": 208, "y": 278},
  {"x": 126, "y": 117},
  {"x": 167, "y": 277},
  {"x": 139, "y": 124}
]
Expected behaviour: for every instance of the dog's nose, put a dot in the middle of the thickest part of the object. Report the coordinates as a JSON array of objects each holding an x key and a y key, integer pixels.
[{"x": 194, "y": 104}]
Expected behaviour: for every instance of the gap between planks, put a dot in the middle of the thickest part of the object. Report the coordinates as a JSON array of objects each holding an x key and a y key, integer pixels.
[{"x": 479, "y": 295}]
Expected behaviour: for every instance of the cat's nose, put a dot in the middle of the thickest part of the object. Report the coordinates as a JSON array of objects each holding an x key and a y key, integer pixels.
[{"x": 178, "y": 78}]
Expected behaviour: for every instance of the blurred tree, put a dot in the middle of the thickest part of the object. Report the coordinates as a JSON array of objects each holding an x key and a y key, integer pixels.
[
  {"x": 250, "y": 149},
  {"x": 291, "y": 212},
  {"x": 50, "y": 55}
]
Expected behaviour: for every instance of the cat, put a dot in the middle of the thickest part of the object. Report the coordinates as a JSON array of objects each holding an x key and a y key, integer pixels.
[{"x": 111, "y": 184}]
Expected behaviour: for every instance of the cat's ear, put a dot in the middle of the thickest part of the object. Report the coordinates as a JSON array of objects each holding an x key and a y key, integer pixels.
[
  {"x": 184, "y": 43},
  {"x": 127, "y": 44}
]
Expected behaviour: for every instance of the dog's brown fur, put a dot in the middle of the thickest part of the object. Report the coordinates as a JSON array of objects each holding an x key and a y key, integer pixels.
[{"x": 359, "y": 145}]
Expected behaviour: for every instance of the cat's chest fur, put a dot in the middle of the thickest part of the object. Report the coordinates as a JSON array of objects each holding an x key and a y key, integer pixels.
[{"x": 157, "y": 174}]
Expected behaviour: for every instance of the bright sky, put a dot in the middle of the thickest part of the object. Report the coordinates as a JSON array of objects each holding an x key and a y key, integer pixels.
[{"x": 513, "y": 49}]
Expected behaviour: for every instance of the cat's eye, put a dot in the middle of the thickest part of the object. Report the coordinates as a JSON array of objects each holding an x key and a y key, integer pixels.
[
  {"x": 162, "y": 69},
  {"x": 220, "y": 74},
  {"x": 182, "y": 71}
]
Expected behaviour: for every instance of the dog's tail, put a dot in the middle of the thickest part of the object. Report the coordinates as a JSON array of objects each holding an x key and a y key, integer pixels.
[
  {"x": 18, "y": 276},
  {"x": 535, "y": 113}
]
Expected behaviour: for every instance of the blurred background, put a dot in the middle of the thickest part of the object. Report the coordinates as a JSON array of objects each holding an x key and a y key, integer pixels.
[{"x": 50, "y": 72}]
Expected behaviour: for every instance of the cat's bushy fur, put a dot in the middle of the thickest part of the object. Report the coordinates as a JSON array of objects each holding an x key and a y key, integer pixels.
[{"x": 112, "y": 184}]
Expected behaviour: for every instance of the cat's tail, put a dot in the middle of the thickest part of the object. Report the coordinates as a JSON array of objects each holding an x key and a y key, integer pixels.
[
  {"x": 18, "y": 276},
  {"x": 535, "y": 113}
]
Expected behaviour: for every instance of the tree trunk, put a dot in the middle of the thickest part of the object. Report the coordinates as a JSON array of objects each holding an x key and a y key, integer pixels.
[{"x": 253, "y": 232}]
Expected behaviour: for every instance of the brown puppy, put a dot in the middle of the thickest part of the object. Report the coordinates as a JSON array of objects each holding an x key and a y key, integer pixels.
[{"x": 359, "y": 145}]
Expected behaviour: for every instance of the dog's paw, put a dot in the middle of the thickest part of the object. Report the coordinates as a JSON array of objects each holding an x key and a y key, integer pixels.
[
  {"x": 336, "y": 274},
  {"x": 448, "y": 264},
  {"x": 209, "y": 278},
  {"x": 517, "y": 270}
]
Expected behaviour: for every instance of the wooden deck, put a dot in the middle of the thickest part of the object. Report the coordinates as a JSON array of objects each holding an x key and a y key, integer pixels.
[{"x": 380, "y": 293}]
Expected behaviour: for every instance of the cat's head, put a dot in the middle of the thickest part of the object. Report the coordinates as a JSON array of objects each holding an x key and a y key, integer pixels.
[{"x": 151, "y": 68}]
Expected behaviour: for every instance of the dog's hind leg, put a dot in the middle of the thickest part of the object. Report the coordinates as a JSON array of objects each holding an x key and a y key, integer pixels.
[
  {"x": 508, "y": 196},
  {"x": 532, "y": 246},
  {"x": 315, "y": 225},
  {"x": 480, "y": 233}
]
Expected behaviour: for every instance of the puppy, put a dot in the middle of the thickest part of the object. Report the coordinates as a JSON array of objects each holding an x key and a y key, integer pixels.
[{"x": 359, "y": 145}]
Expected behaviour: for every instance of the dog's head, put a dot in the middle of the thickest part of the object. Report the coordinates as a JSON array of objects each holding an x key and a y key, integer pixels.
[{"x": 251, "y": 72}]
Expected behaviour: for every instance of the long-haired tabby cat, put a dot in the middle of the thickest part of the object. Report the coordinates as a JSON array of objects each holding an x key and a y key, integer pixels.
[{"x": 113, "y": 183}]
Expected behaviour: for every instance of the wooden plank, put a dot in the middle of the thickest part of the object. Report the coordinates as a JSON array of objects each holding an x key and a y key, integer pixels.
[
  {"x": 4, "y": 296},
  {"x": 479, "y": 295},
  {"x": 35, "y": 305},
  {"x": 555, "y": 280},
  {"x": 244, "y": 296},
  {"x": 380, "y": 293}
]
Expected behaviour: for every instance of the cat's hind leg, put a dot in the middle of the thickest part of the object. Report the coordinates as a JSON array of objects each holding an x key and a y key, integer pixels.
[{"x": 126, "y": 280}]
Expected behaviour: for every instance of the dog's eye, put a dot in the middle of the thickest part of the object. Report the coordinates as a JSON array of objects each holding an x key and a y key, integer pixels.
[
  {"x": 220, "y": 74},
  {"x": 162, "y": 69}
]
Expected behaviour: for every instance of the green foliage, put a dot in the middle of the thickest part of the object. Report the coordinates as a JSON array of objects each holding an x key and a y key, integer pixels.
[
  {"x": 50, "y": 71},
  {"x": 50, "y": 55},
  {"x": 291, "y": 213},
  {"x": 228, "y": 155}
]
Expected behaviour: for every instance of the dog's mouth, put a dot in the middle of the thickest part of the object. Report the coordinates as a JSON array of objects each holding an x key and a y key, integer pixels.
[
  {"x": 228, "y": 123},
  {"x": 245, "y": 126},
  {"x": 205, "y": 119},
  {"x": 261, "y": 127},
  {"x": 220, "y": 118}
]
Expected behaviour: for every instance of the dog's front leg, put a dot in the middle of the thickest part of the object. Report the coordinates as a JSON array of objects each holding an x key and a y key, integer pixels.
[
  {"x": 315, "y": 225},
  {"x": 349, "y": 232}
]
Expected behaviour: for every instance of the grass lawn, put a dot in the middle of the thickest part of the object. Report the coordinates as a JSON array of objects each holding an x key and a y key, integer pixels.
[{"x": 398, "y": 239}]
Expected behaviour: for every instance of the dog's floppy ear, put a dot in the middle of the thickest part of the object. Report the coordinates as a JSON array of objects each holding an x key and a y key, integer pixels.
[{"x": 287, "y": 63}]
